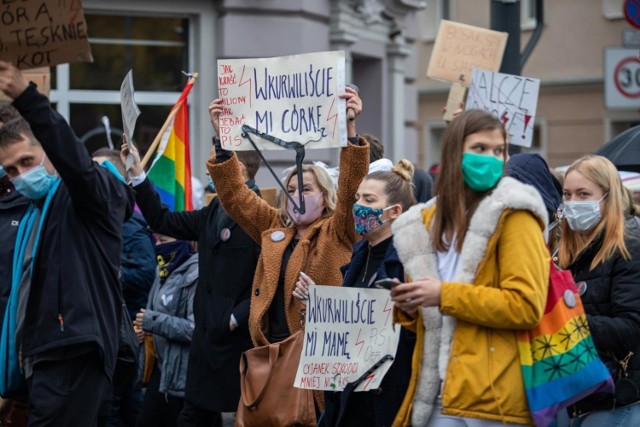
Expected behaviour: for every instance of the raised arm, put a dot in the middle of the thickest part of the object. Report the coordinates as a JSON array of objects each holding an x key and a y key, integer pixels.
[{"x": 93, "y": 189}]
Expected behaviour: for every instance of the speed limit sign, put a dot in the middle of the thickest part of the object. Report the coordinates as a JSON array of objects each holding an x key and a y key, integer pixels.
[{"x": 622, "y": 78}]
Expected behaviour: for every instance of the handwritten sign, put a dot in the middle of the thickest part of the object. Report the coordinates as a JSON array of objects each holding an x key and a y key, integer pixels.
[
  {"x": 511, "y": 98},
  {"x": 347, "y": 331},
  {"x": 130, "y": 112},
  {"x": 293, "y": 98},
  {"x": 41, "y": 33},
  {"x": 459, "y": 47},
  {"x": 40, "y": 76}
]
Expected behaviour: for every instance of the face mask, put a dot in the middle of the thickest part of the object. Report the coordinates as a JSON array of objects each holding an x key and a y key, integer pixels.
[
  {"x": 35, "y": 183},
  {"x": 367, "y": 219},
  {"x": 312, "y": 207},
  {"x": 481, "y": 173},
  {"x": 2, "y": 172},
  {"x": 582, "y": 216},
  {"x": 171, "y": 255}
]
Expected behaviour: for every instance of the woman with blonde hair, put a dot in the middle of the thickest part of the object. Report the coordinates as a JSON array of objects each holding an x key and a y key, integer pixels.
[
  {"x": 600, "y": 245},
  {"x": 316, "y": 242},
  {"x": 480, "y": 270}
]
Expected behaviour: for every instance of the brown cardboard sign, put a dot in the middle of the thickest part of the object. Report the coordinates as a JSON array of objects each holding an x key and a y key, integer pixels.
[
  {"x": 42, "y": 33},
  {"x": 460, "y": 47}
]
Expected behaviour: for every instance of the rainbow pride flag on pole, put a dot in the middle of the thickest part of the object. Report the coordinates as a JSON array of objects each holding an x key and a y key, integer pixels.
[{"x": 170, "y": 171}]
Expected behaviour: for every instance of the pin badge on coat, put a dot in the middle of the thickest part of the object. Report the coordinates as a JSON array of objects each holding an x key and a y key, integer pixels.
[
  {"x": 277, "y": 236},
  {"x": 225, "y": 234}
]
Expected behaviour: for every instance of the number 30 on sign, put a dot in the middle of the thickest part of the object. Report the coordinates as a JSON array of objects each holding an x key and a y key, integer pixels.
[{"x": 622, "y": 78}]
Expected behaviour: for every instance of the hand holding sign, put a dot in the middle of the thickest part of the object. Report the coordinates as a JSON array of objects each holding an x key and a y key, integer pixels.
[{"x": 12, "y": 81}]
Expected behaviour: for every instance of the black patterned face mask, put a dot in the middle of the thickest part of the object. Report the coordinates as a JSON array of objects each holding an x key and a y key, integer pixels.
[{"x": 171, "y": 255}]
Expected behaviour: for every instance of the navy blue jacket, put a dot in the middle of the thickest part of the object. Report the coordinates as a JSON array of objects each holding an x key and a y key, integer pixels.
[
  {"x": 227, "y": 262},
  {"x": 380, "y": 405},
  {"x": 138, "y": 270},
  {"x": 75, "y": 293},
  {"x": 12, "y": 207}
]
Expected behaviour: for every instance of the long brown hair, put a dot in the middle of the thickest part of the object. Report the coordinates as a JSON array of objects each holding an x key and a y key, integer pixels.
[
  {"x": 456, "y": 202},
  {"x": 603, "y": 173}
]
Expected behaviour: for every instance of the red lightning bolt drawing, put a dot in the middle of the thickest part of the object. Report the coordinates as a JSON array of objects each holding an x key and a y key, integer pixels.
[
  {"x": 359, "y": 342},
  {"x": 369, "y": 379},
  {"x": 242, "y": 83},
  {"x": 333, "y": 117},
  {"x": 387, "y": 310}
]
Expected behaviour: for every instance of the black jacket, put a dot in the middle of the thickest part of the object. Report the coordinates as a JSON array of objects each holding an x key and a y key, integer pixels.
[
  {"x": 75, "y": 289},
  {"x": 612, "y": 304},
  {"x": 12, "y": 206},
  {"x": 382, "y": 404},
  {"x": 226, "y": 276}
]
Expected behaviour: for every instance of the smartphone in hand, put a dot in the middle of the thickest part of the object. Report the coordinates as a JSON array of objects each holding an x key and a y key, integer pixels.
[{"x": 385, "y": 284}]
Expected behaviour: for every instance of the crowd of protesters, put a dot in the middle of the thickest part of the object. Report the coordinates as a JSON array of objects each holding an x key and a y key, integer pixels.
[{"x": 88, "y": 248}]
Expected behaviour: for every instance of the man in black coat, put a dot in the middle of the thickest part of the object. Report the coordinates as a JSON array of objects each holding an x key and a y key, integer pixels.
[
  {"x": 68, "y": 312},
  {"x": 227, "y": 262}
]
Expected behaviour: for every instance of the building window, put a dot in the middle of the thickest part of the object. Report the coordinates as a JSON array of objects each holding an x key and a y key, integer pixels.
[
  {"x": 528, "y": 14},
  {"x": 429, "y": 18},
  {"x": 613, "y": 9},
  {"x": 155, "y": 48}
]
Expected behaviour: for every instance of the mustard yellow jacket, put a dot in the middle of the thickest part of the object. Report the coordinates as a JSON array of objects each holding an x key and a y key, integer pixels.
[{"x": 501, "y": 287}]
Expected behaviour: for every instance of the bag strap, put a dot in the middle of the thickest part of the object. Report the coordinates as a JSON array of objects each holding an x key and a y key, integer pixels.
[{"x": 274, "y": 353}]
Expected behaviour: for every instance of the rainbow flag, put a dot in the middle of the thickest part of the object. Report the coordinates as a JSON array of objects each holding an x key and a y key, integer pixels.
[
  {"x": 170, "y": 171},
  {"x": 560, "y": 364}
]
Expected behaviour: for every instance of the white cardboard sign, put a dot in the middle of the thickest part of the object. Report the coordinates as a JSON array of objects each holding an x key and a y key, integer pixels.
[
  {"x": 293, "y": 98},
  {"x": 511, "y": 98},
  {"x": 347, "y": 331},
  {"x": 130, "y": 112}
]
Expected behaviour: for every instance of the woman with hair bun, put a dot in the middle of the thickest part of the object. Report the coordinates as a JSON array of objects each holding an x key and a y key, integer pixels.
[{"x": 380, "y": 199}]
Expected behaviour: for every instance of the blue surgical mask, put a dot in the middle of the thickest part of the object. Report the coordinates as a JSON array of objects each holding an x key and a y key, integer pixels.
[
  {"x": 35, "y": 183},
  {"x": 583, "y": 215},
  {"x": 367, "y": 219},
  {"x": 481, "y": 173},
  {"x": 2, "y": 172}
]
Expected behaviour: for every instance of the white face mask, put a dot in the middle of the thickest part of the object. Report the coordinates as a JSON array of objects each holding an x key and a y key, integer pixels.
[{"x": 583, "y": 215}]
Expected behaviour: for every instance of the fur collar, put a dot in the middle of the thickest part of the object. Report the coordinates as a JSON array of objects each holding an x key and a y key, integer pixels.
[{"x": 413, "y": 244}]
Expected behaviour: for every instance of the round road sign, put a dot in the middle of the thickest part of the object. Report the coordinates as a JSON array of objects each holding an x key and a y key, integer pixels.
[
  {"x": 632, "y": 12},
  {"x": 627, "y": 77}
]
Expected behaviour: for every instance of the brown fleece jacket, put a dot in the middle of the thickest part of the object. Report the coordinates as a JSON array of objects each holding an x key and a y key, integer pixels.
[{"x": 330, "y": 239}]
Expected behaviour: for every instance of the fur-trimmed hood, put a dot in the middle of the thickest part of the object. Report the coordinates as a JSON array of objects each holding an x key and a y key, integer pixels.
[{"x": 417, "y": 253}]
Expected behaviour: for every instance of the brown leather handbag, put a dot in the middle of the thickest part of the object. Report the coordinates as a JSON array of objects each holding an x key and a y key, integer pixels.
[{"x": 267, "y": 394}]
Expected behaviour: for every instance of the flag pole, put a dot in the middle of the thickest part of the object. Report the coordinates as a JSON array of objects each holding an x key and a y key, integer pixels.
[{"x": 163, "y": 129}]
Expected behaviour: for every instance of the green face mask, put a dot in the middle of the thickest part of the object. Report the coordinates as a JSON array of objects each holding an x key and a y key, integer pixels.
[{"x": 481, "y": 173}]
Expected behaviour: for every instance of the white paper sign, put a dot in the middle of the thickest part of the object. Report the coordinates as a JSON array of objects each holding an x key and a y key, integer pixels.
[
  {"x": 293, "y": 98},
  {"x": 347, "y": 331},
  {"x": 130, "y": 112},
  {"x": 511, "y": 98}
]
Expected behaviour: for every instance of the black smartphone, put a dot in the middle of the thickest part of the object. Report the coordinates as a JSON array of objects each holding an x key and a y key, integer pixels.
[{"x": 385, "y": 284}]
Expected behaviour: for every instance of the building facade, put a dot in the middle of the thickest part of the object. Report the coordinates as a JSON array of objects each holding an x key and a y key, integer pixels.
[
  {"x": 159, "y": 39},
  {"x": 572, "y": 119}
]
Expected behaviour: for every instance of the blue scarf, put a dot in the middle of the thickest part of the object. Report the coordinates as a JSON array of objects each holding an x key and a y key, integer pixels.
[{"x": 11, "y": 375}]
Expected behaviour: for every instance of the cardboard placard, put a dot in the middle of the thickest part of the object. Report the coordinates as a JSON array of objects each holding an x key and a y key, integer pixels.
[
  {"x": 347, "y": 331},
  {"x": 513, "y": 99},
  {"x": 130, "y": 113},
  {"x": 459, "y": 47},
  {"x": 42, "y": 33},
  {"x": 293, "y": 98}
]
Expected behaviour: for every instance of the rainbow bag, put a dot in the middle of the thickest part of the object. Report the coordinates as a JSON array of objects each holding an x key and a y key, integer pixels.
[{"x": 560, "y": 364}]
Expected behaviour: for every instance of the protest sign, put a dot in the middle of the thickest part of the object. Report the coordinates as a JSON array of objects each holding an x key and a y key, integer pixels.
[
  {"x": 293, "y": 98},
  {"x": 42, "y": 33},
  {"x": 347, "y": 331},
  {"x": 130, "y": 112},
  {"x": 459, "y": 47},
  {"x": 511, "y": 98},
  {"x": 40, "y": 76}
]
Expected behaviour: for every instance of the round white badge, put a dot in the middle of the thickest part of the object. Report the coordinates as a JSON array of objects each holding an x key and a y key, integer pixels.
[
  {"x": 277, "y": 236},
  {"x": 569, "y": 298},
  {"x": 225, "y": 234}
]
